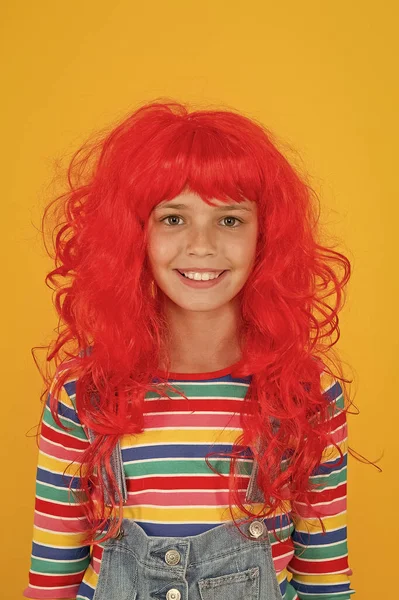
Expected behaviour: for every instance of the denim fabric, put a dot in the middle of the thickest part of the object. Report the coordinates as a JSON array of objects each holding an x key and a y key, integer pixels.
[{"x": 220, "y": 564}]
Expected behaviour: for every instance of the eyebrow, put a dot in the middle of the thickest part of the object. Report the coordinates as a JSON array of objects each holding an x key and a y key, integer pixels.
[{"x": 219, "y": 208}]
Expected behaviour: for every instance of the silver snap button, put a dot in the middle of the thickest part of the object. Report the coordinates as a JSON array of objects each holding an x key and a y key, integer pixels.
[
  {"x": 172, "y": 557},
  {"x": 173, "y": 595},
  {"x": 256, "y": 529}
]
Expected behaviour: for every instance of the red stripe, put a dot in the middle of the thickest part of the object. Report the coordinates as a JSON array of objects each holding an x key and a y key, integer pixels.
[
  {"x": 338, "y": 420},
  {"x": 97, "y": 551},
  {"x": 65, "y": 439},
  {"x": 328, "y": 495},
  {"x": 137, "y": 484},
  {"x": 319, "y": 567},
  {"x": 55, "y": 580},
  {"x": 280, "y": 548},
  {"x": 58, "y": 510},
  {"x": 202, "y": 404}
]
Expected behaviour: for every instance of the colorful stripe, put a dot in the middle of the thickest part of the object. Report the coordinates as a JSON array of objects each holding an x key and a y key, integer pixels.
[{"x": 173, "y": 492}]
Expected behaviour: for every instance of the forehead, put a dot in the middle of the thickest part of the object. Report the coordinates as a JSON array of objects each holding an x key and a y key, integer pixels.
[{"x": 192, "y": 201}]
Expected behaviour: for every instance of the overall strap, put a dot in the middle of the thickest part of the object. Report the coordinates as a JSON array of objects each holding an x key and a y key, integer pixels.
[
  {"x": 254, "y": 492},
  {"x": 116, "y": 462}
]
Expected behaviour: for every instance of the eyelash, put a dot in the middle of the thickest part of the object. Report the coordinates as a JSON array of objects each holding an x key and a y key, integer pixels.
[{"x": 178, "y": 217}]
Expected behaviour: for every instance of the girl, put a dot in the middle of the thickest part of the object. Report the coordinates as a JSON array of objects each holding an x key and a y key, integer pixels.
[{"x": 193, "y": 443}]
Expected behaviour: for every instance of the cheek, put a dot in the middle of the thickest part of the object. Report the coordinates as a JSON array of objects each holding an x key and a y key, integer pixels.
[
  {"x": 159, "y": 252},
  {"x": 243, "y": 253}
]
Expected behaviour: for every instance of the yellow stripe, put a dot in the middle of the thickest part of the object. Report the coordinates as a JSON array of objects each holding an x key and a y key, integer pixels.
[
  {"x": 281, "y": 576},
  {"x": 331, "y": 452},
  {"x": 58, "y": 539},
  {"x": 182, "y": 514},
  {"x": 58, "y": 466},
  {"x": 322, "y": 578},
  {"x": 175, "y": 436},
  {"x": 313, "y": 525},
  {"x": 178, "y": 514},
  {"x": 91, "y": 577}
]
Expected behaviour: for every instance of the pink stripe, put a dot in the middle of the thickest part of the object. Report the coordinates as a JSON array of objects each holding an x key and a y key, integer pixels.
[
  {"x": 280, "y": 562},
  {"x": 329, "y": 509},
  {"x": 58, "y": 524},
  {"x": 340, "y": 434},
  {"x": 179, "y": 498},
  {"x": 56, "y": 451},
  {"x": 191, "y": 420},
  {"x": 96, "y": 564},
  {"x": 69, "y": 591}
]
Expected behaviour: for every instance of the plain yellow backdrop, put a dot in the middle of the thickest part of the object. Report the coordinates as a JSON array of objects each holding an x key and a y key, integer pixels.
[{"x": 321, "y": 75}]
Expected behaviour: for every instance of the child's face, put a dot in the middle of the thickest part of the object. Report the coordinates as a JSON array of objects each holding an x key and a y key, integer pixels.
[{"x": 198, "y": 236}]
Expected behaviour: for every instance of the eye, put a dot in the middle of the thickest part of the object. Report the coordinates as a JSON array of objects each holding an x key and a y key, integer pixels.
[
  {"x": 171, "y": 217},
  {"x": 231, "y": 219}
]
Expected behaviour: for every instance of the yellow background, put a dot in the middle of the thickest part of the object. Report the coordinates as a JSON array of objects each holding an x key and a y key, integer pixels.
[{"x": 319, "y": 74}]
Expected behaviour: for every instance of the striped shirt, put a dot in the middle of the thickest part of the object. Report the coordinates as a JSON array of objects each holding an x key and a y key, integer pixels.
[{"x": 173, "y": 492}]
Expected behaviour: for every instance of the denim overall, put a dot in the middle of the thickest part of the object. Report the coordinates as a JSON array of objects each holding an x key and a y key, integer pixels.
[{"x": 219, "y": 564}]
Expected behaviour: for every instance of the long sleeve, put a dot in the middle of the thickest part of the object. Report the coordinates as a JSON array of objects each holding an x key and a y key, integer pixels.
[
  {"x": 319, "y": 567},
  {"x": 59, "y": 555}
]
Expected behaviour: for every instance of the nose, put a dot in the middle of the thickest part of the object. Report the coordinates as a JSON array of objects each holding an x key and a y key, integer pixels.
[{"x": 201, "y": 242}]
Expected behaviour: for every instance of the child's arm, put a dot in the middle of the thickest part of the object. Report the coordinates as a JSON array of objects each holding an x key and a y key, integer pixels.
[
  {"x": 59, "y": 555},
  {"x": 320, "y": 564}
]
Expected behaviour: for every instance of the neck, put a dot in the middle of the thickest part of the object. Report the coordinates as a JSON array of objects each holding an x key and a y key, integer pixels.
[{"x": 203, "y": 341}]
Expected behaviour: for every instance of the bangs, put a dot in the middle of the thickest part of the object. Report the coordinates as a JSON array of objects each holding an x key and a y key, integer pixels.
[{"x": 201, "y": 159}]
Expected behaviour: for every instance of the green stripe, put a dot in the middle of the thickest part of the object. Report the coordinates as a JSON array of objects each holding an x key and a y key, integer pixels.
[
  {"x": 283, "y": 533},
  {"x": 336, "y": 405},
  {"x": 57, "y": 566},
  {"x": 322, "y": 552},
  {"x": 330, "y": 479},
  {"x": 290, "y": 592},
  {"x": 181, "y": 467},
  {"x": 335, "y": 595},
  {"x": 225, "y": 390},
  {"x": 57, "y": 494}
]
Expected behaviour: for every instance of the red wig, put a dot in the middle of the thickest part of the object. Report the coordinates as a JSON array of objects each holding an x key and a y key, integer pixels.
[{"x": 102, "y": 284}]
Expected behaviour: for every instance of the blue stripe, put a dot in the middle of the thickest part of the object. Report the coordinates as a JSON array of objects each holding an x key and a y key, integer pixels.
[
  {"x": 176, "y": 529},
  {"x": 65, "y": 411},
  {"x": 68, "y": 413},
  {"x": 277, "y": 522},
  {"x": 85, "y": 591},
  {"x": 334, "y": 392},
  {"x": 320, "y": 539},
  {"x": 178, "y": 451},
  {"x": 40, "y": 551},
  {"x": 283, "y": 587},
  {"x": 70, "y": 387},
  {"x": 320, "y": 589},
  {"x": 57, "y": 479},
  {"x": 332, "y": 466}
]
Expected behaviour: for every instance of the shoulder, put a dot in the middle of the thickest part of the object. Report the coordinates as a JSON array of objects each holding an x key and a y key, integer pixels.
[{"x": 66, "y": 394}]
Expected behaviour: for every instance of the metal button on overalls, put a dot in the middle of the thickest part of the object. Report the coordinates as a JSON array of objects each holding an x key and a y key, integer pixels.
[
  {"x": 173, "y": 595},
  {"x": 172, "y": 557},
  {"x": 256, "y": 529}
]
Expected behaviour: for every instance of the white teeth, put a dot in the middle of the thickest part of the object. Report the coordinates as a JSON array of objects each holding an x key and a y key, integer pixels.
[{"x": 201, "y": 276}]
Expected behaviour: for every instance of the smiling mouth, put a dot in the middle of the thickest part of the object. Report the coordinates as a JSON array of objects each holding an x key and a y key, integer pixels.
[
  {"x": 201, "y": 283},
  {"x": 196, "y": 279}
]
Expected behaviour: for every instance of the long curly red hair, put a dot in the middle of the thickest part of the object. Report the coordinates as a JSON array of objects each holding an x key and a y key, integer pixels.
[{"x": 290, "y": 302}]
